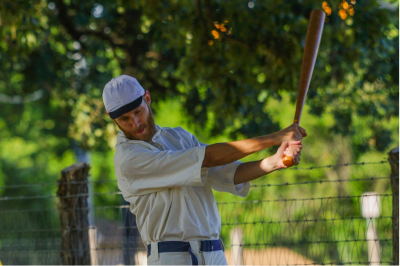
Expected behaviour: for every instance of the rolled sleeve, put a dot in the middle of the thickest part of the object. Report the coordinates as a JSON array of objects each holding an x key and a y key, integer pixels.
[
  {"x": 148, "y": 171},
  {"x": 221, "y": 179}
]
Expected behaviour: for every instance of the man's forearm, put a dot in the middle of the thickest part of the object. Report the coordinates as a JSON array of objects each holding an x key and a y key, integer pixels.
[
  {"x": 225, "y": 153},
  {"x": 253, "y": 170}
]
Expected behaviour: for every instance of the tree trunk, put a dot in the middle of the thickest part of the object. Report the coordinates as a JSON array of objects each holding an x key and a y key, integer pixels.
[{"x": 74, "y": 210}]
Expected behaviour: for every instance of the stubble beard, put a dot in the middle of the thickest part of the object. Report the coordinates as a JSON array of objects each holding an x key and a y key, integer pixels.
[{"x": 150, "y": 125}]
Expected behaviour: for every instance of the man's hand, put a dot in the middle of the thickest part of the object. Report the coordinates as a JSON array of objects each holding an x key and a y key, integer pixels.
[
  {"x": 293, "y": 132},
  {"x": 252, "y": 170},
  {"x": 287, "y": 148}
]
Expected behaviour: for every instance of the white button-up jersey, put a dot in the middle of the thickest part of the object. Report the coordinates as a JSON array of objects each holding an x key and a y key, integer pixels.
[{"x": 168, "y": 190}]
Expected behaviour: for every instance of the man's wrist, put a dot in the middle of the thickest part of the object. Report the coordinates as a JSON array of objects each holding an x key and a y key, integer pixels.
[
  {"x": 269, "y": 140},
  {"x": 269, "y": 164},
  {"x": 273, "y": 138}
]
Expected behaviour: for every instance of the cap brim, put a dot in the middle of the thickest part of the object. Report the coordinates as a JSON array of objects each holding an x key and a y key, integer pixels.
[{"x": 126, "y": 108}]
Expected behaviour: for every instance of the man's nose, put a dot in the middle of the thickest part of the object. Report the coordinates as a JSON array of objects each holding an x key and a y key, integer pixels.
[{"x": 135, "y": 121}]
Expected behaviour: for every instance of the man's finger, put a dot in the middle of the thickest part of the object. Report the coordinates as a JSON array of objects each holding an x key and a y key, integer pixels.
[
  {"x": 297, "y": 136},
  {"x": 300, "y": 133},
  {"x": 294, "y": 142},
  {"x": 303, "y": 131},
  {"x": 283, "y": 147},
  {"x": 297, "y": 159},
  {"x": 293, "y": 148},
  {"x": 291, "y": 153}
]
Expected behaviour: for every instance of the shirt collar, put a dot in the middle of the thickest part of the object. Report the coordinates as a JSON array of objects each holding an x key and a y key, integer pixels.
[
  {"x": 121, "y": 138},
  {"x": 158, "y": 132}
]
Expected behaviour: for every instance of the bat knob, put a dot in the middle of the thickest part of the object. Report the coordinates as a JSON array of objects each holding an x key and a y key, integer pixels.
[{"x": 287, "y": 161}]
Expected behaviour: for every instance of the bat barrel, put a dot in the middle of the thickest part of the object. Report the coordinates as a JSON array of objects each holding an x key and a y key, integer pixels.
[{"x": 313, "y": 39}]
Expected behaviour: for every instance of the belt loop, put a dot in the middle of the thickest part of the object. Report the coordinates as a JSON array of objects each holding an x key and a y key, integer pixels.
[{"x": 154, "y": 255}]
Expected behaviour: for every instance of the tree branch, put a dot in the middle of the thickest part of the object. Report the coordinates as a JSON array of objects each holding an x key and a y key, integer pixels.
[{"x": 68, "y": 24}]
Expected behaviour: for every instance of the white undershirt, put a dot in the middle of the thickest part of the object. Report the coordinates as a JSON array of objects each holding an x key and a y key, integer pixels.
[{"x": 167, "y": 189}]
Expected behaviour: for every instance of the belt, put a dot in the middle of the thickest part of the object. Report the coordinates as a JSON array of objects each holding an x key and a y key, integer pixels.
[{"x": 180, "y": 246}]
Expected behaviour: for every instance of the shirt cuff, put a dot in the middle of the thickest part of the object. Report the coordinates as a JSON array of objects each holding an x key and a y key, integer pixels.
[
  {"x": 200, "y": 173},
  {"x": 222, "y": 179},
  {"x": 242, "y": 189}
]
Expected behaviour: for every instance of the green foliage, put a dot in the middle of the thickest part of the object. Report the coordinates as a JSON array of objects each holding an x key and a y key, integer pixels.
[
  {"x": 224, "y": 60},
  {"x": 224, "y": 70}
]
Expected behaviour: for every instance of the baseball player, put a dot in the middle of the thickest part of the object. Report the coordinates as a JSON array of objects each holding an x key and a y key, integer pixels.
[{"x": 167, "y": 176}]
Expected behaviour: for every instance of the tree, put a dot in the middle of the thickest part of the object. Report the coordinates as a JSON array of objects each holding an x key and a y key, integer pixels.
[
  {"x": 224, "y": 60},
  {"x": 228, "y": 62}
]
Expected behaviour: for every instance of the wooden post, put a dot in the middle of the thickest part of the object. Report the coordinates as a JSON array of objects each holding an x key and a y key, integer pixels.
[
  {"x": 236, "y": 236},
  {"x": 371, "y": 210},
  {"x": 74, "y": 209},
  {"x": 394, "y": 163}
]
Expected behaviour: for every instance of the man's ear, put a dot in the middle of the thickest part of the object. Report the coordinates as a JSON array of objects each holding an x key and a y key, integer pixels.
[{"x": 147, "y": 97}]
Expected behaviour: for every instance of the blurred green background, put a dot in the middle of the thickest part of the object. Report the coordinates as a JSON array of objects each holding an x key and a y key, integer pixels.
[{"x": 223, "y": 70}]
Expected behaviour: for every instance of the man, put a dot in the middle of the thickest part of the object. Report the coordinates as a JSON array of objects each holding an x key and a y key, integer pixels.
[{"x": 167, "y": 175}]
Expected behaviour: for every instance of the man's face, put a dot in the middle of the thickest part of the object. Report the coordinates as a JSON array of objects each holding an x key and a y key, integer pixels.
[{"x": 138, "y": 124}]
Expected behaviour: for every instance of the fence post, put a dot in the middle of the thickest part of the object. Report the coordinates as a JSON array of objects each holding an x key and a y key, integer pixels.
[
  {"x": 236, "y": 236},
  {"x": 74, "y": 209},
  {"x": 394, "y": 163}
]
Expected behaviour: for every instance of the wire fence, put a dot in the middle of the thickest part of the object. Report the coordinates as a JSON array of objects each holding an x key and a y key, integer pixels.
[{"x": 303, "y": 216}]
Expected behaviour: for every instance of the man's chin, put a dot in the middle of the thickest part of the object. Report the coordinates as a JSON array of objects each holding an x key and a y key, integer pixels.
[{"x": 144, "y": 136}]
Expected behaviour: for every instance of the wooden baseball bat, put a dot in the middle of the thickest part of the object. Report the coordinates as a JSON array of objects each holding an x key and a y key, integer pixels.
[{"x": 314, "y": 32}]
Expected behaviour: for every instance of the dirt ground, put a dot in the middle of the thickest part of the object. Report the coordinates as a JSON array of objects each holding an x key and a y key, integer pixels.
[{"x": 270, "y": 256}]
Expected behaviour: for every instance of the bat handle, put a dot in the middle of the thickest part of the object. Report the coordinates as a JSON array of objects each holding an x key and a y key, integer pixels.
[{"x": 288, "y": 161}]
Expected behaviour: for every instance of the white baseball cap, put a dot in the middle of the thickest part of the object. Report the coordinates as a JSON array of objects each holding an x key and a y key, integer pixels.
[{"x": 122, "y": 95}]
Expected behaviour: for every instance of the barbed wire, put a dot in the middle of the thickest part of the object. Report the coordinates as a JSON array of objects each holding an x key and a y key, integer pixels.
[
  {"x": 105, "y": 228},
  {"x": 92, "y": 227},
  {"x": 277, "y": 244},
  {"x": 60, "y": 197},
  {"x": 312, "y": 242},
  {"x": 339, "y": 165},
  {"x": 218, "y": 203},
  {"x": 302, "y": 221},
  {"x": 114, "y": 181},
  {"x": 52, "y": 209},
  {"x": 304, "y": 199},
  {"x": 254, "y": 186},
  {"x": 81, "y": 249},
  {"x": 58, "y": 183},
  {"x": 324, "y": 181},
  {"x": 265, "y": 185},
  {"x": 293, "y": 168}
]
